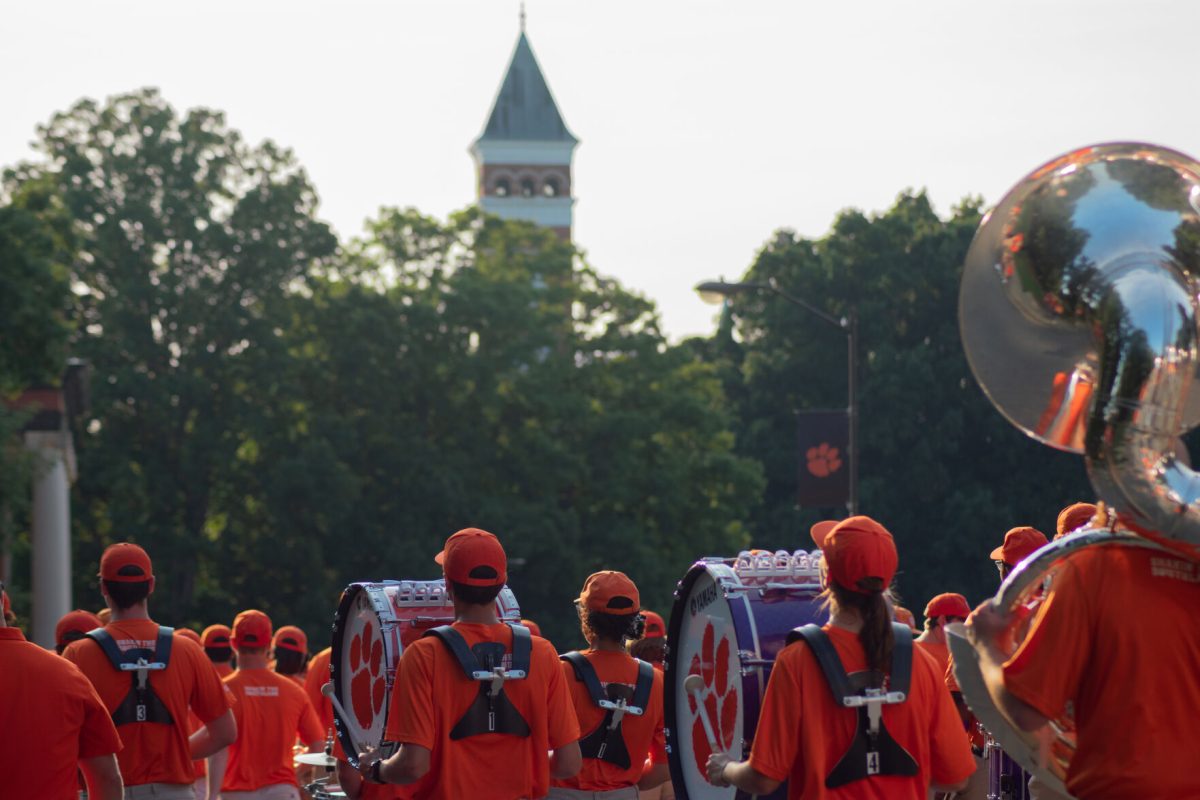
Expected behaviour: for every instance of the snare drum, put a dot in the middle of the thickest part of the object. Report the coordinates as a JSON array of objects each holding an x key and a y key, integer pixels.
[
  {"x": 1006, "y": 779},
  {"x": 373, "y": 625},
  {"x": 730, "y": 619}
]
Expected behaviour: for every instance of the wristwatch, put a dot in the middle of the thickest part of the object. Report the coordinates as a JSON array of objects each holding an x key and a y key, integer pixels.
[{"x": 373, "y": 773}]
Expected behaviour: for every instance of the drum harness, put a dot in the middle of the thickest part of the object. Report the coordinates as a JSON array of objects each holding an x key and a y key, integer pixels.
[
  {"x": 607, "y": 741},
  {"x": 873, "y": 751},
  {"x": 492, "y": 711},
  {"x": 142, "y": 704}
]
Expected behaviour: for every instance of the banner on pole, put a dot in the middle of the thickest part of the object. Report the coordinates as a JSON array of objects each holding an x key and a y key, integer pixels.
[{"x": 823, "y": 444}]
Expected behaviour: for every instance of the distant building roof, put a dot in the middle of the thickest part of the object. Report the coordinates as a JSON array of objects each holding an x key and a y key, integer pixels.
[{"x": 524, "y": 109}]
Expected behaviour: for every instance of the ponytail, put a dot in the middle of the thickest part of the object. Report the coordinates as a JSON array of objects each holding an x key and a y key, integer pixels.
[{"x": 876, "y": 634}]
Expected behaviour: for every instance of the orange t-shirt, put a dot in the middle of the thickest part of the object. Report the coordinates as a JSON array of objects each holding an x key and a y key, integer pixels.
[
  {"x": 1117, "y": 637},
  {"x": 642, "y": 734},
  {"x": 940, "y": 653},
  {"x": 224, "y": 668},
  {"x": 432, "y": 693},
  {"x": 271, "y": 711},
  {"x": 153, "y": 752},
  {"x": 52, "y": 718},
  {"x": 802, "y": 733},
  {"x": 318, "y": 676}
]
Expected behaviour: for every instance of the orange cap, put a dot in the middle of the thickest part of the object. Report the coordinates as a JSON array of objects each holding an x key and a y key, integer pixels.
[
  {"x": 1019, "y": 543},
  {"x": 474, "y": 557},
  {"x": 655, "y": 627},
  {"x": 189, "y": 634},
  {"x": 533, "y": 627},
  {"x": 289, "y": 637},
  {"x": 78, "y": 622},
  {"x": 948, "y": 605},
  {"x": 856, "y": 549},
  {"x": 1073, "y": 517},
  {"x": 125, "y": 562},
  {"x": 251, "y": 628},
  {"x": 821, "y": 529},
  {"x": 610, "y": 592},
  {"x": 216, "y": 636}
]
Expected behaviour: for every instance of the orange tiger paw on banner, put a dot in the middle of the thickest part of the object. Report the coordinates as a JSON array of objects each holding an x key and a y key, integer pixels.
[{"x": 823, "y": 460}]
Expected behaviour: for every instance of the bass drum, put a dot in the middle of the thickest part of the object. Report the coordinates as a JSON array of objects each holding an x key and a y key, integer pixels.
[
  {"x": 373, "y": 625},
  {"x": 730, "y": 619}
]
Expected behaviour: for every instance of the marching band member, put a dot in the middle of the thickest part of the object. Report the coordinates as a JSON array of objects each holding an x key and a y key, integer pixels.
[
  {"x": 1019, "y": 543},
  {"x": 652, "y": 646},
  {"x": 318, "y": 676},
  {"x": 1073, "y": 517},
  {"x": 614, "y": 742},
  {"x": 1082, "y": 649},
  {"x": 290, "y": 651},
  {"x": 54, "y": 724},
  {"x": 940, "y": 612},
  {"x": 271, "y": 711},
  {"x": 808, "y": 737},
  {"x": 215, "y": 639},
  {"x": 150, "y": 704},
  {"x": 504, "y": 737},
  {"x": 74, "y": 625}
]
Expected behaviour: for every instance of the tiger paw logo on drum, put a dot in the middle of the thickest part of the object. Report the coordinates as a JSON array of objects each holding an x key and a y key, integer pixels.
[
  {"x": 367, "y": 686},
  {"x": 719, "y": 696}
]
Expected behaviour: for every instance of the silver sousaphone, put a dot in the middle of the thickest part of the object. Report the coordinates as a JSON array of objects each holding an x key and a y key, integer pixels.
[{"x": 1078, "y": 313}]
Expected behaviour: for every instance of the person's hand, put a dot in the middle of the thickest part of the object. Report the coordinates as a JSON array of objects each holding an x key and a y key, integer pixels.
[
  {"x": 716, "y": 769},
  {"x": 366, "y": 764},
  {"x": 986, "y": 622}
]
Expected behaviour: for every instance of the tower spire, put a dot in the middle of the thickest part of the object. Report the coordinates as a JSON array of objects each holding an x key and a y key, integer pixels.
[{"x": 522, "y": 16}]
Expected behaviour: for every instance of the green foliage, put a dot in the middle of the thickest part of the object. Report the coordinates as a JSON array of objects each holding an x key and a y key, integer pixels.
[
  {"x": 189, "y": 239},
  {"x": 473, "y": 374},
  {"x": 274, "y": 417},
  {"x": 937, "y": 464}
]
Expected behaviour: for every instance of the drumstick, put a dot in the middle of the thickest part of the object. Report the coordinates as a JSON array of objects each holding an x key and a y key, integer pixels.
[
  {"x": 693, "y": 685},
  {"x": 356, "y": 735}
]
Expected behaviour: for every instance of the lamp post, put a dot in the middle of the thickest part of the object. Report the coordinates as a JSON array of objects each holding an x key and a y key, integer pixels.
[{"x": 717, "y": 292}]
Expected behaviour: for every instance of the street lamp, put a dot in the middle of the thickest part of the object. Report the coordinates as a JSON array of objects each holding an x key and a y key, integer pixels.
[{"x": 717, "y": 292}]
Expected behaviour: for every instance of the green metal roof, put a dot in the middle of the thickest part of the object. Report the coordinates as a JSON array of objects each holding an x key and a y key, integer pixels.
[{"x": 524, "y": 109}]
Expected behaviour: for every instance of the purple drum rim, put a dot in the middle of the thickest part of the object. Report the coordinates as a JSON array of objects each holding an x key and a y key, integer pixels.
[{"x": 750, "y": 686}]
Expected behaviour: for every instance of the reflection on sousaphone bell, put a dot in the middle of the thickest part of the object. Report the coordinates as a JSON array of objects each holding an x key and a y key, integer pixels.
[{"x": 1078, "y": 313}]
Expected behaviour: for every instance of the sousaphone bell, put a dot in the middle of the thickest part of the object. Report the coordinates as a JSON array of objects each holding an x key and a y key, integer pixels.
[{"x": 1078, "y": 314}]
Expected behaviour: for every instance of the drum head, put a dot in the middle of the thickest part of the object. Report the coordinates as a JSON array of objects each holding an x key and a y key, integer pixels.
[
  {"x": 358, "y": 661},
  {"x": 702, "y": 641}
]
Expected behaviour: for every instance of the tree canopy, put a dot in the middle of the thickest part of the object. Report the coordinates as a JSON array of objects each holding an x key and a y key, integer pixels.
[
  {"x": 937, "y": 463},
  {"x": 275, "y": 416}
]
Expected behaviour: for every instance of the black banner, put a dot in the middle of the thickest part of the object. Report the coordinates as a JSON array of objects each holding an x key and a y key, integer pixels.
[{"x": 823, "y": 444}]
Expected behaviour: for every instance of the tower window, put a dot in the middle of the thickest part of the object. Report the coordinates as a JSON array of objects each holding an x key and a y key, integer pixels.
[
  {"x": 502, "y": 188},
  {"x": 527, "y": 187},
  {"x": 550, "y": 187}
]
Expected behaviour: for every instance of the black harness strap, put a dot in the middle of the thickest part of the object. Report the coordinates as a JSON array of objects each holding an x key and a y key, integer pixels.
[
  {"x": 873, "y": 751},
  {"x": 607, "y": 741},
  {"x": 141, "y": 704},
  {"x": 491, "y": 711}
]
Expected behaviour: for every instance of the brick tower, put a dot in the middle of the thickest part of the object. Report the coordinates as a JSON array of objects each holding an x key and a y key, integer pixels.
[{"x": 523, "y": 157}]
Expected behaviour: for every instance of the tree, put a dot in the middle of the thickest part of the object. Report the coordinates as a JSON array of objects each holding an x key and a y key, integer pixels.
[
  {"x": 36, "y": 248},
  {"x": 188, "y": 238},
  {"x": 937, "y": 463},
  {"x": 474, "y": 373}
]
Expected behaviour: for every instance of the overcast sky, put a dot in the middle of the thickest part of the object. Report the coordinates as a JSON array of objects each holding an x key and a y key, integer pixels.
[{"x": 704, "y": 125}]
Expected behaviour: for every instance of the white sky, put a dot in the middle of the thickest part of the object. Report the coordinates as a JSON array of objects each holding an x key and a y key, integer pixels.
[{"x": 705, "y": 125}]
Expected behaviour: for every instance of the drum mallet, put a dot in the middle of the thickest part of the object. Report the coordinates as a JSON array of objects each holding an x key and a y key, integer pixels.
[
  {"x": 356, "y": 736},
  {"x": 694, "y": 685}
]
